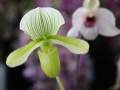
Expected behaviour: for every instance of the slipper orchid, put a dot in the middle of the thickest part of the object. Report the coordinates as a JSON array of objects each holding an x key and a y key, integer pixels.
[
  {"x": 42, "y": 24},
  {"x": 90, "y": 20}
]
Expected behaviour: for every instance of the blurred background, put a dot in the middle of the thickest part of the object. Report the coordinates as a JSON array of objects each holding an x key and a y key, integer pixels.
[{"x": 97, "y": 71}]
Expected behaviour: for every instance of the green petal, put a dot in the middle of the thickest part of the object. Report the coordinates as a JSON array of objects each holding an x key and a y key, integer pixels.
[
  {"x": 41, "y": 22},
  {"x": 50, "y": 63},
  {"x": 74, "y": 45},
  {"x": 19, "y": 56}
]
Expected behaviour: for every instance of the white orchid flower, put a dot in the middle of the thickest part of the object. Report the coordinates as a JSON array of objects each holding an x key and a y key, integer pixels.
[
  {"x": 42, "y": 24},
  {"x": 90, "y": 20}
]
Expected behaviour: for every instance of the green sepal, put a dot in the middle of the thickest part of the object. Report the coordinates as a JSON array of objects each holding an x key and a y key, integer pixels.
[
  {"x": 20, "y": 55},
  {"x": 76, "y": 46},
  {"x": 50, "y": 62}
]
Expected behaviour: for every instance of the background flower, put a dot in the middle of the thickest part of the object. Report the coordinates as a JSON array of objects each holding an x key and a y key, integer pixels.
[{"x": 91, "y": 20}]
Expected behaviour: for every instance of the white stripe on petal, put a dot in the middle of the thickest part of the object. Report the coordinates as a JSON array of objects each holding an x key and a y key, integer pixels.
[{"x": 41, "y": 22}]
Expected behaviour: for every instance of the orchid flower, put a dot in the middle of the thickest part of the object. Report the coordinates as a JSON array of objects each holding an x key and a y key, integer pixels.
[
  {"x": 90, "y": 20},
  {"x": 42, "y": 24}
]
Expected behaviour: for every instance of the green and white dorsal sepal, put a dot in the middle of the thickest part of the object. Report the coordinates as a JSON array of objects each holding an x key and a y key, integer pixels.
[{"x": 41, "y": 22}]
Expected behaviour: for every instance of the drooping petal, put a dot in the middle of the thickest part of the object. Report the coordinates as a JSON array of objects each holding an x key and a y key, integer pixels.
[
  {"x": 50, "y": 63},
  {"x": 106, "y": 23},
  {"x": 41, "y": 22},
  {"x": 92, "y": 5},
  {"x": 74, "y": 45},
  {"x": 78, "y": 19},
  {"x": 19, "y": 56},
  {"x": 106, "y": 14}
]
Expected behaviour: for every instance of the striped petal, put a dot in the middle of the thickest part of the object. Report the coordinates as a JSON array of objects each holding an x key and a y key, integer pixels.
[
  {"x": 19, "y": 56},
  {"x": 74, "y": 45},
  {"x": 41, "y": 22}
]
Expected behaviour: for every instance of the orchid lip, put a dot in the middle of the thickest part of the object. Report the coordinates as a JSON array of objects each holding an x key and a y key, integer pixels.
[{"x": 90, "y": 21}]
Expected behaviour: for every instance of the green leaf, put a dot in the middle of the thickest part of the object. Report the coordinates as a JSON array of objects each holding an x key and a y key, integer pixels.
[
  {"x": 41, "y": 22},
  {"x": 74, "y": 45},
  {"x": 19, "y": 56},
  {"x": 50, "y": 62}
]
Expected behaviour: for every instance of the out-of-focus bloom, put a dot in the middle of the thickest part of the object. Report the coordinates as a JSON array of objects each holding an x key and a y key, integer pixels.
[
  {"x": 90, "y": 20},
  {"x": 42, "y": 24}
]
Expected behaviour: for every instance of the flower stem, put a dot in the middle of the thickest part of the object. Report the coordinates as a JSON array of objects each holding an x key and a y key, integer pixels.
[
  {"x": 60, "y": 83},
  {"x": 77, "y": 73}
]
